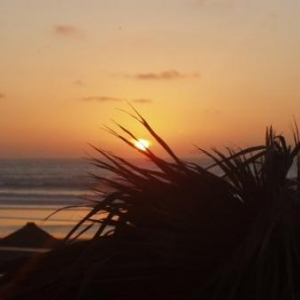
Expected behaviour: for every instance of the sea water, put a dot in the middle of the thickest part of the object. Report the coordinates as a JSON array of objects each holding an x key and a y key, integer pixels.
[{"x": 32, "y": 189}]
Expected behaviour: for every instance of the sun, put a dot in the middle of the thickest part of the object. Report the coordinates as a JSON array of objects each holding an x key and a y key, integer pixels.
[{"x": 142, "y": 144}]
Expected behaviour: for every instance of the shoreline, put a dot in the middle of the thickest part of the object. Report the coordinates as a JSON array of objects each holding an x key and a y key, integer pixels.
[{"x": 14, "y": 217}]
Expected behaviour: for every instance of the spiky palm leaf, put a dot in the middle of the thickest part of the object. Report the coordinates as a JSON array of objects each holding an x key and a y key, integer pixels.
[
  {"x": 175, "y": 226},
  {"x": 266, "y": 266}
]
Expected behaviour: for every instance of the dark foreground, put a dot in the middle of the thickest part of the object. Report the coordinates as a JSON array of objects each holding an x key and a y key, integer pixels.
[{"x": 180, "y": 232}]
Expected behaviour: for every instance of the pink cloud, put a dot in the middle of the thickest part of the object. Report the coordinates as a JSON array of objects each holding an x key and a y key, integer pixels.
[
  {"x": 66, "y": 30},
  {"x": 142, "y": 101},
  {"x": 78, "y": 82},
  {"x": 114, "y": 99},
  {"x": 164, "y": 75},
  {"x": 101, "y": 99}
]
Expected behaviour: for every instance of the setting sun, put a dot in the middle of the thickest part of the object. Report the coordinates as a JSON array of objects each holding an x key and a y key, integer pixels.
[{"x": 142, "y": 144}]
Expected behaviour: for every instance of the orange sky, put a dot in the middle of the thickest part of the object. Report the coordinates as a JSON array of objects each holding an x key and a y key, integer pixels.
[{"x": 204, "y": 72}]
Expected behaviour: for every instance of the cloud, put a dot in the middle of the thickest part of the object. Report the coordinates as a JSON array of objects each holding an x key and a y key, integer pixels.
[
  {"x": 142, "y": 101},
  {"x": 114, "y": 99},
  {"x": 164, "y": 75},
  {"x": 2, "y": 96},
  {"x": 212, "y": 111},
  {"x": 215, "y": 3},
  {"x": 101, "y": 99},
  {"x": 78, "y": 82},
  {"x": 66, "y": 31}
]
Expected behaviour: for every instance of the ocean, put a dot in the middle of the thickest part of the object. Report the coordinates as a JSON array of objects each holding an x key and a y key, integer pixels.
[{"x": 32, "y": 189}]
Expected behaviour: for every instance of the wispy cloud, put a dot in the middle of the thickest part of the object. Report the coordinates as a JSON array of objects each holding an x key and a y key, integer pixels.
[
  {"x": 215, "y": 3},
  {"x": 164, "y": 75},
  {"x": 101, "y": 99},
  {"x": 104, "y": 99},
  {"x": 67, "y": 31},
  {"x": 212, "y": 111},
  {"x": 78, "y": 82},
  {"x": 142, "y": 101},
  {"x": 2, "y": 96}
]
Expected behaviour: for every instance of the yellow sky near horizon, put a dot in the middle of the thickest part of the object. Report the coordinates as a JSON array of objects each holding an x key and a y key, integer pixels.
[{"x": 204, "y": 72}]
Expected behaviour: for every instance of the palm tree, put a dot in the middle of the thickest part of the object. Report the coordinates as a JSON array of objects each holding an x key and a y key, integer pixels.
[{"x": 182, "y": 230}]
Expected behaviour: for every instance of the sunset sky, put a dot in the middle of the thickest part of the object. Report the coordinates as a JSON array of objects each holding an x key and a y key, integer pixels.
[{"x": 202, "y": 72}]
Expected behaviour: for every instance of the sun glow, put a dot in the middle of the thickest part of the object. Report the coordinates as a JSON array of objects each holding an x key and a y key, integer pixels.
[{"x": 142, "y": 144}]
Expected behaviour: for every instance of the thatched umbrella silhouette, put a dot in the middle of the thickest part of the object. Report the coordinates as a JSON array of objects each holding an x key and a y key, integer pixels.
[{"x": 31, "y": 236}]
